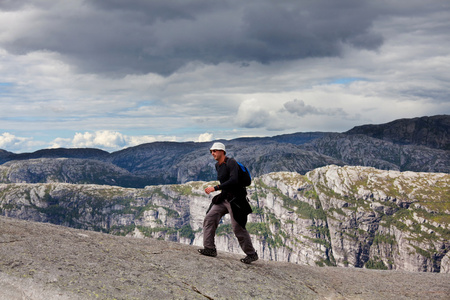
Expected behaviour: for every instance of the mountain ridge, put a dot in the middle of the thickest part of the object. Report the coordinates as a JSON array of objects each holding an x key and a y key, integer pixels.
[
  {"x": 174, "y": 162},
  {"x": 427, "y": 131}
]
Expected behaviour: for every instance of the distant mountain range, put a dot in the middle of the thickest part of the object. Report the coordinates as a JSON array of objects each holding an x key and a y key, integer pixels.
[{"x": 418, "y": 144}]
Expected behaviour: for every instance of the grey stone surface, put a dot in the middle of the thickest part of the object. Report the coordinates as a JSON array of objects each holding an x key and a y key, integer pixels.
[{"x": 44, "y": 261}]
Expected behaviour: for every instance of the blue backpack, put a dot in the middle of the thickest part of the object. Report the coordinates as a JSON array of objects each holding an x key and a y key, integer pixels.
[{"x": 244, "y": 177}]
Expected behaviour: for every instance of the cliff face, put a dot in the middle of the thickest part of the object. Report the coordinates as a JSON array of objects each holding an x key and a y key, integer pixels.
[
  {"x": 386, "y": 219},
  {"x": 339, "y": 216}
]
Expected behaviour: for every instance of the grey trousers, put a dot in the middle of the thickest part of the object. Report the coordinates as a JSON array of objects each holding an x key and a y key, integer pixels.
[{"x": 211, "y": 222}]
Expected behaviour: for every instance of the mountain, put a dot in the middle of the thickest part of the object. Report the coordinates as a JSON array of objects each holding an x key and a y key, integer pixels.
[
  {"x": 298, "y": 138},
  {"x": 71, "y": 170},
  {"x": 5, "y": 156},
  {"x": 42, "y": 261},
  {"x": 156, "y": 160},
  {"x": 362, "y": 150},
  {"x": 86, "y": 153},
  {"x": 419, "y": 146},
  {"x": 161, "y": 163},
  {"x": 331, "y": 216},
  {"x": 433, "y": 132},
  {"x": 169, "y": 162}
]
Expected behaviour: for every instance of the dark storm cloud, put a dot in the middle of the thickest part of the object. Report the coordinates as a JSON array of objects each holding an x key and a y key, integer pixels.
[{"x": 131, "y": 37}]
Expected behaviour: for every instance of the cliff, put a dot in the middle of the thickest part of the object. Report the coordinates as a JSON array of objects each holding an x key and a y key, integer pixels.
[
  {"x": 332, "y": 216},
  {"x": 42, "y": 261}
]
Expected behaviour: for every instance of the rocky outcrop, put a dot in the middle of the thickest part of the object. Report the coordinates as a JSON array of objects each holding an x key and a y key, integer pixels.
[
  {"x": 46, "y": 262},
  {"x": 337, "y": 216}
]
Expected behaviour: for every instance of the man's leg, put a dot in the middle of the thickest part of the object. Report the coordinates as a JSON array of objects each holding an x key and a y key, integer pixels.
[
  {"x": 241, "y": 233},
  {"x": 210, "y": 224}
]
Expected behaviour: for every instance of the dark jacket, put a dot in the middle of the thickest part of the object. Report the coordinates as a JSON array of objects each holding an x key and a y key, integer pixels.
[{"x": 227, "y": 174}]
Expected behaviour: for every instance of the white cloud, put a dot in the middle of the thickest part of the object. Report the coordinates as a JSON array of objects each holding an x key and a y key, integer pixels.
[
  {"x": 103, "y": 139},
  {"x": 10, "y": 141},
  {"x": 13, "y": 143},
  {"x": 108, "y": 140},
  {"x": 138, "y": 140},
  {"x": 60, "y": 143},
  {"x": 205, "y": 137},
  {"x": 252, "y": 114}
]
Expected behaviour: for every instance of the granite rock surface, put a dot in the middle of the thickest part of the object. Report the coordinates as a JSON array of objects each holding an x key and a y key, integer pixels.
[{"x": 44, "y": 261}]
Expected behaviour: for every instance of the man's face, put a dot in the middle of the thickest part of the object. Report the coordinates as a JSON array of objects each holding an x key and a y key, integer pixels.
[{"x": 217, "y": 154}]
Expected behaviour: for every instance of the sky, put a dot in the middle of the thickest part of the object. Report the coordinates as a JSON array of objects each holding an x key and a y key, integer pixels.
[{"x": 113, "y": 74}]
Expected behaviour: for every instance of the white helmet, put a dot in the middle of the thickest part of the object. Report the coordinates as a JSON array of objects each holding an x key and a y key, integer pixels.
[{"x": 218, "y": 146}]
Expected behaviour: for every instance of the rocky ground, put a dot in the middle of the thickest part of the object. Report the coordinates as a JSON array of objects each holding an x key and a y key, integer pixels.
[{"x": 43, "y": 261}]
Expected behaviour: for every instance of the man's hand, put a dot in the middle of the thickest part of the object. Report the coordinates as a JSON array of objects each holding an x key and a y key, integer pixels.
[{"x": 209, "y": 189}]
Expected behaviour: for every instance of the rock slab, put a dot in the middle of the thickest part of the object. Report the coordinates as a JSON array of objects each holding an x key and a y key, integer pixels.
[{"x": 44, "y": 261}]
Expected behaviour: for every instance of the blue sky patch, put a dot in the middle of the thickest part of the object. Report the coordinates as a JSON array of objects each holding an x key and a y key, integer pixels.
[{"x": 347, "y": 80}]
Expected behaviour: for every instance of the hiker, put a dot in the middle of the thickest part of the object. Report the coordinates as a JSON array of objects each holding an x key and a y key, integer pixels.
[{"x": 232, "y": 200}]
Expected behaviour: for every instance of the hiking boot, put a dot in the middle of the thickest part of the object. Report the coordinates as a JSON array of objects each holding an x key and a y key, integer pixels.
[
  {"x": 249, "y": 258},
  {"x": 208, "y": 252}
]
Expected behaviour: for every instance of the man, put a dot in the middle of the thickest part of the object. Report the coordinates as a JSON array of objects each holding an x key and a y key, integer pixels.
[{"x": 232, "y": 200}]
